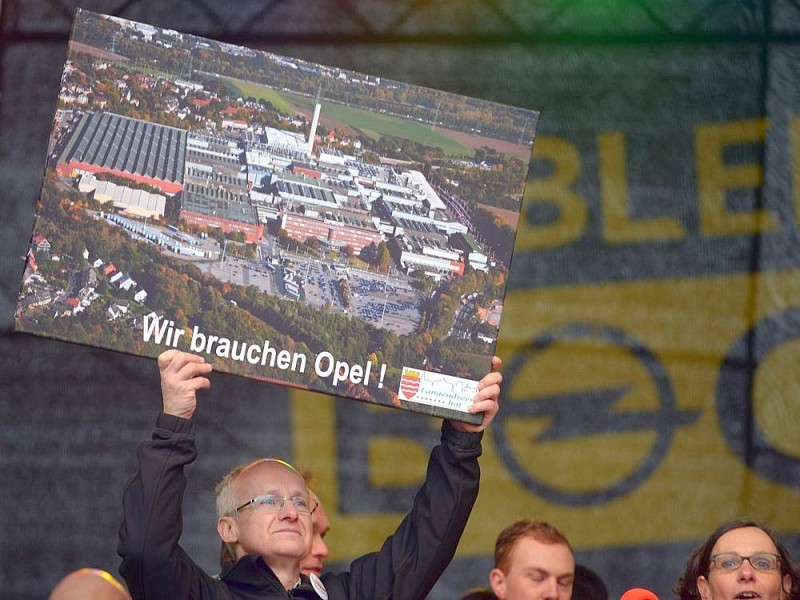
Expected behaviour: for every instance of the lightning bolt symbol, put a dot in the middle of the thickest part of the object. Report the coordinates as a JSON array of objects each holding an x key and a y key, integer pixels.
[{"x": 582, "y": 413}]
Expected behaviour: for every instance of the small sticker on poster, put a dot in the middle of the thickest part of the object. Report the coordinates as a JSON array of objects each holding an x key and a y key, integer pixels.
[{"x": 437, "y": 390}]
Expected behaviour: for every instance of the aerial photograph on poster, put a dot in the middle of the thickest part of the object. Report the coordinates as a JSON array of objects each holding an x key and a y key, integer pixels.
[{"x": 290, "y": 221}]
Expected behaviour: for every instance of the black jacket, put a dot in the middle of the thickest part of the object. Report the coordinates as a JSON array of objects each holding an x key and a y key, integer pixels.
[{"x": 407, "y": 566}]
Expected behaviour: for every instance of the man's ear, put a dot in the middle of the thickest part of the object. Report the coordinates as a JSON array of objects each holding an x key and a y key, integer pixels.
[
  {"x": 228, "y": 529},
  {"x": 497, "y": 579},
  {"x": 703, "y": 588}
]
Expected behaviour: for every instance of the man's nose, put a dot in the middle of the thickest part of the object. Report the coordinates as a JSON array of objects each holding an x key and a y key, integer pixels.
[
  {"x": 289, "y": 509},
  {"x": 551, "y": 588}
]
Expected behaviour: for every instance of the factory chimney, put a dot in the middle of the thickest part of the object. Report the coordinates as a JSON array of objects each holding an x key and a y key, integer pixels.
[{"x": 312, "y": 134}]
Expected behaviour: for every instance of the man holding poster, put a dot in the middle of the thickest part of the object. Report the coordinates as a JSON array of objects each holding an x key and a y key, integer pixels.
[{"x": 265, "y": 512}]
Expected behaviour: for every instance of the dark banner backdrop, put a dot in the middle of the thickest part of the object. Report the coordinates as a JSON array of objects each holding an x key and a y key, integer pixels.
[{"x": 651, "y": 334}]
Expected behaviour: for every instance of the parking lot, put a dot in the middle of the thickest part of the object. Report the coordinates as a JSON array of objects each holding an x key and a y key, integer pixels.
[
  {"x": 241, "y": 272},
  {"x": 387, "y": 302}
]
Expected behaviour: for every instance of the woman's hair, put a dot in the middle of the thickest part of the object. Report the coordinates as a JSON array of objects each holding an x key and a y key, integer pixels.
[{"x": 700, "y": 559}]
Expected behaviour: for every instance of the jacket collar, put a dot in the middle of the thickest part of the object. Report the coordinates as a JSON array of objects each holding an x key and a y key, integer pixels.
[{"x": 252, "y": 574}]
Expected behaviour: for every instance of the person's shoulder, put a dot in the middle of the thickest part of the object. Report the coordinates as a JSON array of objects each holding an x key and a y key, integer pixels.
[
  {"x": 310, "y": 586},
  {"x": 479, "y": 593},
  {"x": 588, "y": 585},
  {"x": 337, "y": 583}
]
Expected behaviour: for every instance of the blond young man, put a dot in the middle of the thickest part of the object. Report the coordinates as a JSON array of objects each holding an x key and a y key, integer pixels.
[{"x": 532, "y": 561}]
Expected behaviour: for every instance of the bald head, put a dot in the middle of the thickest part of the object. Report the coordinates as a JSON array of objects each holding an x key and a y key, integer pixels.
[
  {"x": 259, "y": 476},
  {"x": 89, "y": 584},
  {"x": 238, "y": 485}
]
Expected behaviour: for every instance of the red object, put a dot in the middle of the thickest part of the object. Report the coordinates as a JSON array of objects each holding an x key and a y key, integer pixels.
[{"x": 638, "y": 594}]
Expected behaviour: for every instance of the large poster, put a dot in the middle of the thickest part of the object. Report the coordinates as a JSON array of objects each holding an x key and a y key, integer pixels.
[{"x": 294, "y": 222}]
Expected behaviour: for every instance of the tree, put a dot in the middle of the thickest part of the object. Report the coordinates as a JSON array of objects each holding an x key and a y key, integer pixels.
[
  {"x": 384, "y": 257},
  {"x": 369, "y": 254}
]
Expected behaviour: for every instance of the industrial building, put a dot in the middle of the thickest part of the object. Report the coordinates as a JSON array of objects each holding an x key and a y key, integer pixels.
[{"x": 143, "y": 152}]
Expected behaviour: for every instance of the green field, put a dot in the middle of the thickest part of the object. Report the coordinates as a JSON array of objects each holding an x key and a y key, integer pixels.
[
  {"x": 375, "y": 125},
  {"x": 248, "y": 89},
  {"x": 367, "y": 123}
]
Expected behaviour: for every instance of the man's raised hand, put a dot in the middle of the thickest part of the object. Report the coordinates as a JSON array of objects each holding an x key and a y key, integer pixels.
[
  {"x": 486, "y": 400},
  {"x": 182, "y": 375}
]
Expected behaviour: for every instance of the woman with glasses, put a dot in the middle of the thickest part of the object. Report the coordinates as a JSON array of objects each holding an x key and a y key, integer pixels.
[{"x": 741, "y": 560}]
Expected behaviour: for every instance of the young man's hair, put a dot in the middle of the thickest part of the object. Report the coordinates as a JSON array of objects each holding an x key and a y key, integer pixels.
[{"x": 538, "y": 530}]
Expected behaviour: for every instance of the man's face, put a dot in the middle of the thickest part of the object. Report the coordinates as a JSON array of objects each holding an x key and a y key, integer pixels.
[
  {"x": 744, "y": 581},
  {"x": 320, "y": 523},
  {"x": 275, "y": 536},
  {"x": 537, "y": 571}
]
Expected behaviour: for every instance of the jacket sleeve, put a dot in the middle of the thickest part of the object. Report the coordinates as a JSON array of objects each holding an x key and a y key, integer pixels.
[
  {"x": 153, "y": 564},
  {"x": 414, "y": 557}
]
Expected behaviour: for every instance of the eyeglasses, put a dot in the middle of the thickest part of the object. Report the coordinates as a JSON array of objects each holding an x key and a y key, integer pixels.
[
  {"x": 761, "y": 561},
  {"x": 275, "y": 503}
]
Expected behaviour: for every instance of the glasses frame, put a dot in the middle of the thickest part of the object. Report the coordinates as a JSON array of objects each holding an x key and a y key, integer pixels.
[
  {"x": 777, "y": 557},
  {"x": 312, "y": 503}
]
